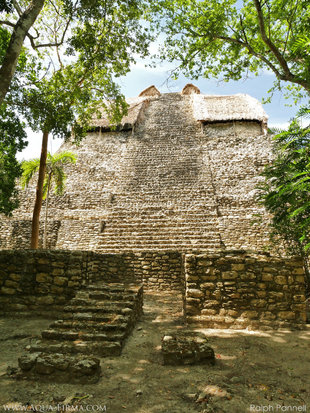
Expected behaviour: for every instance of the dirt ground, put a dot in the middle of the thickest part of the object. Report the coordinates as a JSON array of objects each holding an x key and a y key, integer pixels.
[{"x": 254, "y": 371}]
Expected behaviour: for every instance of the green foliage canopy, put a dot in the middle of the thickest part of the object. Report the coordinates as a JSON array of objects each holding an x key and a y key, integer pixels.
[
  {"x": 12, "y": 140},
  {"x": 285, "y": 191},
  {"x": 229, "y": 39}
]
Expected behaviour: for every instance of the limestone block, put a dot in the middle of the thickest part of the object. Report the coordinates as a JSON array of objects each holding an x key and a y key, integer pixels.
[
  {"x": 15, "y": 277},
  {"x": 43, "y": 277},
  {"x": 237, "y": 267},
  {"x": 8, "y": 291},
  {"x": 298, "y": 307},
  {"x": 286, "y": 315},
  {"x": 249, "y": 314},
  {"x": 58, "y": 271},
  {"x": 229, "y": 275},
  {"x": 186, "y": 347},
  {"x": 194, "y": 293},
  {"x": 73, "y": 284},
  {"x": 10, "y": 283},
  {"x": 208, "y": 311},
  {"x": 267, "y": 277},
  {"x": 280, "y": 279},
  {"x": 60, "y": 280},
  {"x": 299, "y": 297},
  {"x": 298, "y": 271},
  {"x": 45, "y": 300},
  {"x": 43, "y": 261}
]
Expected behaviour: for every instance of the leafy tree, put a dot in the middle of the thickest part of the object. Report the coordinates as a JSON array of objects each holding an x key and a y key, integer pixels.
[
  {"x": 54, "y": 176},
  {"x": 57, "y": 27},
  {"x": 101, "y": 37},
  {"x": 21, "y": 28},
  {"x": 12, "y": 140},
  {"x": 214, "y": 38},
  {"x": 285, "y": 191}
]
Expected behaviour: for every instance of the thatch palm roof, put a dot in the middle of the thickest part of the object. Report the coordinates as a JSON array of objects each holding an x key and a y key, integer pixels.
[
  {"x": 206, "y": 108},
  {"x": 225, "y": 108}
]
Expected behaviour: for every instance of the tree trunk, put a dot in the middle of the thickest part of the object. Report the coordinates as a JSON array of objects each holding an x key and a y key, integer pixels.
[
  {"x": 39, "y": 194},
  {"x": 46, "y": 211},
  {"x": 20, "y": 31}
]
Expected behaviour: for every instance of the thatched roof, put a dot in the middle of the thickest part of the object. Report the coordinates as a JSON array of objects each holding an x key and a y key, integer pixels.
[
  {"x": 150, "y": 91},
  {"x": 224, "y": 108},
  {"x": 206, "y": 108},
  {"x": 128, "y": 121},
  {"x": 190, "y": 89}
]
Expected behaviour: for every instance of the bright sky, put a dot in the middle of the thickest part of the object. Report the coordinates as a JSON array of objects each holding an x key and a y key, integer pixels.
[{"x": 141, "y": 77}]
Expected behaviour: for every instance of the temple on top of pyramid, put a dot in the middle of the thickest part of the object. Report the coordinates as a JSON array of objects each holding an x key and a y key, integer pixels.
[{"x": 179, "y": 173}]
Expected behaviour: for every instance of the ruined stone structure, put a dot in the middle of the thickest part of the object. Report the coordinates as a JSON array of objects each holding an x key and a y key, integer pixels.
[
  {"x": 168, "y": 199},
  {"x": 179, "y": 173}
]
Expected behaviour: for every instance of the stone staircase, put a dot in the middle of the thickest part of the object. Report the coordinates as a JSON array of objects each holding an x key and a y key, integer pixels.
[{"x": 95, "y": 323}]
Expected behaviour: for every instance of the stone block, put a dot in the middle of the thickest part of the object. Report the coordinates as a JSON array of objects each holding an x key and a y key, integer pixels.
[
  {"x": 58, "y": 271},
  {"x": 208, "y": 311},
  {"x": 237, "y": 267},
  {"x": 286, "y": 315},
  {"x": 267, "y": 277},
  {"x": 280, "y": 279},
  {"x": 45, "y": 300},
  {"x": 43, "y": 277},
  {"x": 192, "y": 278},
  {"x": 10, "y": 283},
  {"x": 194, "y": 293},
  {"x": 15, "y": 277},
  {"x": 60, "y": 280},
  {"x": 249, "y": 314},
  {"x": 229, "y": 275},
  {"x": 204, "y": 262},
  {"x": 186, "y": 347},
  {"x": 8, "y": 291},
  {"x": 298, "y": 271}
]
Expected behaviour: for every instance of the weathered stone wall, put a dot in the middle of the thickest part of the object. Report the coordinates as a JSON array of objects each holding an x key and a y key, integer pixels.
[
  {"x": 238, "y": 289},
  {"x": 235, "y": 289},
  {"x": 172, "y": 183},
  {"x": 157, "y": 270},
  {"x": 41, "y": 282}
]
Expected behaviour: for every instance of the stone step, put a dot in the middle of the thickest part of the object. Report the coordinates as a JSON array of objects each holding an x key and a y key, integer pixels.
[
  {"x": 99, "y": 295},
  {"x": 108, "y": 317},
  {"x": 101, "y": 348},
  {"x": 101, "y": 302},
  {"x": 69, "y": 335},
  {"x": 89, "y": 326},
  {"x": 116, "y": 288},
  {"x": 116, "y": 307}
]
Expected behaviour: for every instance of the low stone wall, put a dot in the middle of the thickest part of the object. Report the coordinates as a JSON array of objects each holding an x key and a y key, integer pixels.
[
  {"x": 41, "y": 281},
  {"x": 157, "y": 270},
  {"x": 238, "y": 289}
]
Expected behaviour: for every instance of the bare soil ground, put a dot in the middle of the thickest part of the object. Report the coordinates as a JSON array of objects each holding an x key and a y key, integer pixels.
[{"x": 254, "y": 371}]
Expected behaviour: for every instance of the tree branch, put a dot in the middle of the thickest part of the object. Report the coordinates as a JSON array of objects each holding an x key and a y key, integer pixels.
[
  {"x": 252, "y": 51},
  {"x": 20, "y": 31},
  {"x": 269, "y": 43},
  {"x": 17, "y": 7}
]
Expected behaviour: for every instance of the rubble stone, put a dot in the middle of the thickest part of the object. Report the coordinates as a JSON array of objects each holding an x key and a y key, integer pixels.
[{"x": 186, "y": 347}]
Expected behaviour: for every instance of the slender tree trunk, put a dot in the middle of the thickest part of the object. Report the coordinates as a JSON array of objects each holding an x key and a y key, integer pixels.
[
  {"x": 39, "y": 194},
  {"x": 46, "y": 211},
  {"x": 20, "y": 31}
]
